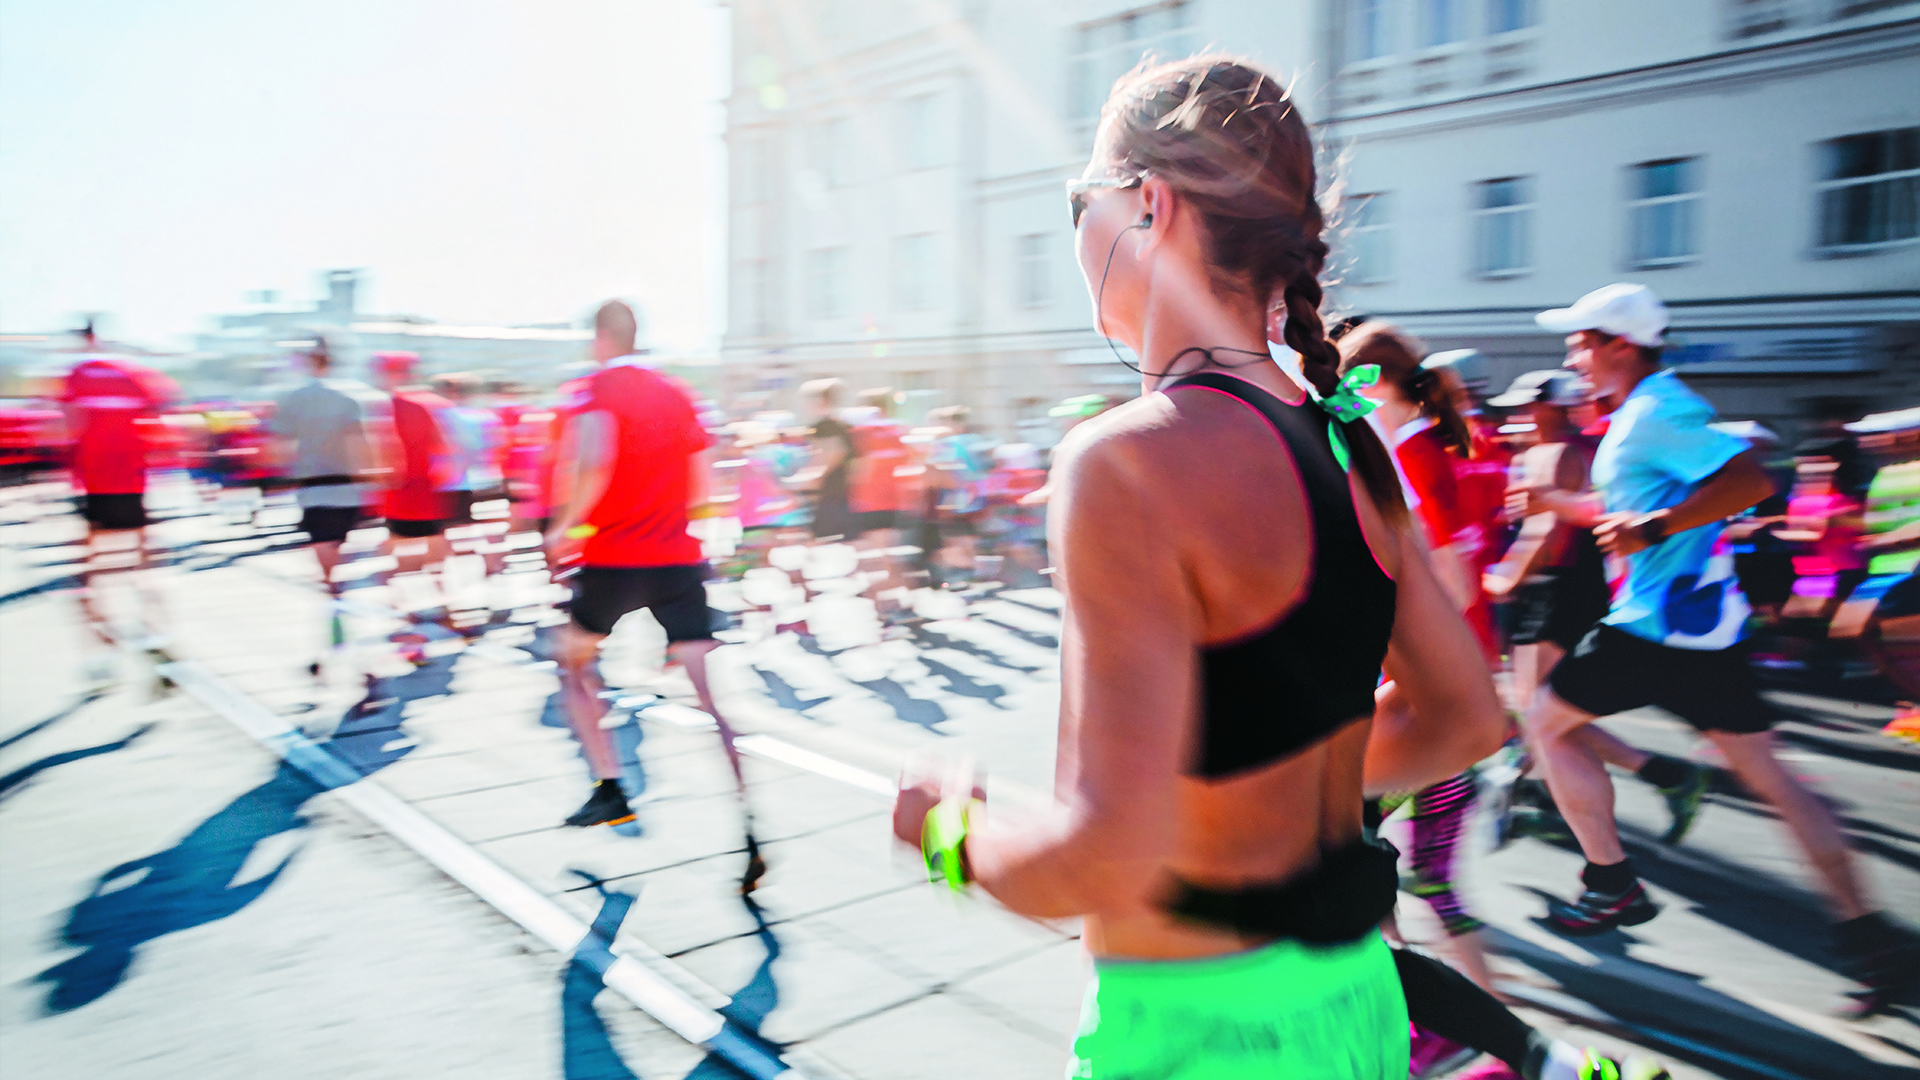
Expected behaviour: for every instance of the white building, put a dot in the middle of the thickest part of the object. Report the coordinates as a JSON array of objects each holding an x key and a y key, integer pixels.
[
  {"x": 1755, "y": 162},
  {"x": 896, "y": 215}
]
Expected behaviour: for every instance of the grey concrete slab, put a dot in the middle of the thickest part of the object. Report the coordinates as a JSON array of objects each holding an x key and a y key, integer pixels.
[
  {"x": 938, "y": 1038},
  {"x": 1044, "y": 989},
  {"x": 933, "y": 933}
]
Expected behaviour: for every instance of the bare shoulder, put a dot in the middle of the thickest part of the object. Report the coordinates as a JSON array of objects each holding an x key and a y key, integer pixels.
[{"x": 1164, "y": 442}]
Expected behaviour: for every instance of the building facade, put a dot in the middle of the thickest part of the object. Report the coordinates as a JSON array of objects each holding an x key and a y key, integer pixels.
[
  {"x": 896, "y": 215},
  {"x": 896, "y": 211},
  {"x": 1754, "y": 162}
]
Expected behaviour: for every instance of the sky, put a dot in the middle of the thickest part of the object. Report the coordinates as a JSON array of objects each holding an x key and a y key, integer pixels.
[{"x": 483, "y": 161}]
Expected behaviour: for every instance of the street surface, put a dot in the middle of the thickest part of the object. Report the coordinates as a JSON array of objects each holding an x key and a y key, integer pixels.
[{"x": 180, "y": 904}]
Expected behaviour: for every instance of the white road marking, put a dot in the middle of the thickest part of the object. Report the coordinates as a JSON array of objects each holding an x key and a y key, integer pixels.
[{"x": 773, "y": 749}]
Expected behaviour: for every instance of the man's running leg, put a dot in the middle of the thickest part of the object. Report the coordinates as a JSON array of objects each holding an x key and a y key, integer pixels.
[
  {"x": 693, "y": 656},
  {"x": 580, "y": 688},
  {"x": 1751, "y": 757},
  {"x": 1584, "y": 793}
]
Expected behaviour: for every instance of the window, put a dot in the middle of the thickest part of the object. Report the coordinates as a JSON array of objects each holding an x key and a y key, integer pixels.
[
  {"x": 919, "y": 133},
  {"x": 829, "y": 152},
  {"x": 1666, "y": 197},
  {"x": 1367, "y": 37},
  {"x": 1871, "y": 192},
  {"x": 1371, "y": 238},
  {"x": 1032, "y": 274},
  {"x": 1506, "y": 16},
  {"x": 1756, "y": 18},
  {"x": 1439, "y": 22},
  {"x": 755, "y": 310},
  {"x": 1504, "y": 212},
  {"x": 1105, "y": 50},
  {"x": 913, "y": 272},
  {"x": 827, "y": 285}
]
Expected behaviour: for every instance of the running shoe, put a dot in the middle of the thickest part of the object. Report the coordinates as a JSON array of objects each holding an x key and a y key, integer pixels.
[
  {"x": 1889, "y": 969},
  {"x": 1683, "y": 802},
  {"x": 1595, "y": 912},
  {"x": 606, "y": 806}
]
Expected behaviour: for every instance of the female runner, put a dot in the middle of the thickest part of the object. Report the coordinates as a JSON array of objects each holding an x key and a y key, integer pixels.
[{"x": 1231, "y": 591}]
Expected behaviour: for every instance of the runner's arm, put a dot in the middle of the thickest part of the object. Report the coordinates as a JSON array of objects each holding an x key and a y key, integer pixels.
[
  {"x": 581, "y": 477},
  {"x": 1440, "y": 714},
  {"x": 1739, "y": 484},
  {"x": 1129, "y": 691}
]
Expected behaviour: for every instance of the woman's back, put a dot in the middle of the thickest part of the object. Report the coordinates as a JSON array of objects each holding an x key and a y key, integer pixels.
[{"x": 1235, "y": 514}]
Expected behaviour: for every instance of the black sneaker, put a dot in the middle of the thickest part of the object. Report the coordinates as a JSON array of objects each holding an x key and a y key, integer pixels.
[
  {"x": 1595, "y": 911},
  {"x": 606, "y": 806},
  {"x": 1683, "y": 802},
  {"x": 1887, "y": 964}
]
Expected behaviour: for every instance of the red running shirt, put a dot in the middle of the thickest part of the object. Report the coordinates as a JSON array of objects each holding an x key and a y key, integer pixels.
[
  {"x": 1431, "y": 472},
  {"x": 114, "y": 407},
  {"x": 421, "y": 459},
  {"x": 642, "y": 517},
  {"x": 873, "y": 480}
]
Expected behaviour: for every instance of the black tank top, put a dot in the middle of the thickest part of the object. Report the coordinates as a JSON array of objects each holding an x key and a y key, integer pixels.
[{"x": 1292, "y": 684}]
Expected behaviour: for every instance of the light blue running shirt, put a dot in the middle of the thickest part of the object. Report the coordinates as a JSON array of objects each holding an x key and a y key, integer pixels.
[{"x": 1657, "y": 450}]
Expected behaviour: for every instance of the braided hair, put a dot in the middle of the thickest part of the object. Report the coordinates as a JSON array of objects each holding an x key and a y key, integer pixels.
[{"x": 1227, "y": 136}]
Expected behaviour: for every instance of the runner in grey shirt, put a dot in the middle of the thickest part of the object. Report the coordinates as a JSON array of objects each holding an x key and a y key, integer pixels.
[{"x": 319, "y": 425}]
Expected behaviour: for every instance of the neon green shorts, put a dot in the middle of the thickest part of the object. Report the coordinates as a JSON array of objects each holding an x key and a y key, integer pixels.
[{"x": 1280, "y": 1011}]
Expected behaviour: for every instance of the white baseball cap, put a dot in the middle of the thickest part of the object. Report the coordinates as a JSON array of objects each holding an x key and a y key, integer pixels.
[{"x": 1620, "y": 309}]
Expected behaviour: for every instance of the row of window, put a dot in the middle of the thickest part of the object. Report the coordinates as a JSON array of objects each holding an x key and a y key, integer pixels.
[
  {"x": 1868, "y": 197},
  {"x": 1375, "y": 27},
  {"x": 831, "y": 152},
  {"x": 829, "y": 288},
  {"x": 1757, "y": 18}
]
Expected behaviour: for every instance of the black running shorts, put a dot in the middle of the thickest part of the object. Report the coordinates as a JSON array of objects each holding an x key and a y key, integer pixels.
[
  {"x": 114, "y": 511},
  {"x": 1558, "y": 611},
  {"x": 1612, "y": 671},
  {"x": 415, "y": 530},
  {"x": 872, "y": 520},
  {"x": 677, "y": 596},
  {"x": 329, "y": 524}
]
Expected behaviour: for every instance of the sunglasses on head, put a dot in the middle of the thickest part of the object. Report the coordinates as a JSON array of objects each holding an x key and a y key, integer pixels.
[{"x": 1077, "y": 191}]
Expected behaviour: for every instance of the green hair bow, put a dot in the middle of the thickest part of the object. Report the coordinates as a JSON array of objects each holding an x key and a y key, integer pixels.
[{"x": 1345, "y": 405}]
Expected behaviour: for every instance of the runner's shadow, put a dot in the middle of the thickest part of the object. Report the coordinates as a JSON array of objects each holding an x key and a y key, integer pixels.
[
  {"x": 751, "y": 1004},
  {"x": 20, "y": 776},
  {"x": 783, "y": 693},
  {"x": 917, "y": 711},
  {"x": 961, "y": 684},
  {"x": 188, "y": 885},
  {"x": 37, "y": 727},
  {"x": 194, "y": 882},
  {"x": 586, "y": 1047},
  {"x": 934, "y": 639},
  {"x": 1619, "y": 986}
]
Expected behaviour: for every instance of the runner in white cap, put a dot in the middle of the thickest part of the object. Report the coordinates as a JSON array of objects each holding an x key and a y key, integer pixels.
[{"x": 1673, "y": 635}]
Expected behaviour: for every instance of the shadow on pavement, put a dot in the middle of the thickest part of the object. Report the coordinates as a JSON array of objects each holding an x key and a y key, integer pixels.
[
  {"x": 38, "y": 726},
  {"x": 1673, "y": 1002},
  {"x": 21, "y": 775},
  {"x": 187, "y": 885},
  {"x": 193, "y": 882},
  {"x": 751, "y": 1003},
  {"x": 586, "y": 1048}
]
